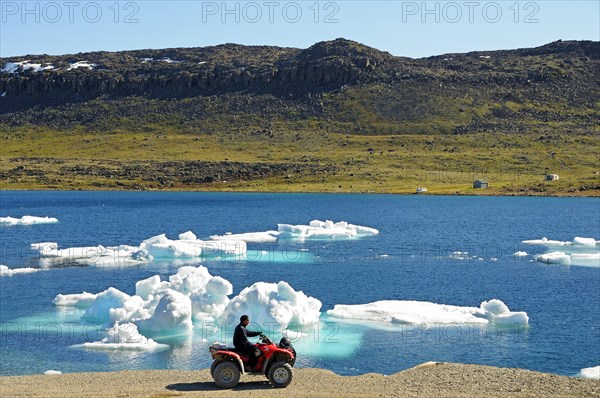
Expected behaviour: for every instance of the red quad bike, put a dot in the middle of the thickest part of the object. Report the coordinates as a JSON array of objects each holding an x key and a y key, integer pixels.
[{"x": 275, "y": 362}]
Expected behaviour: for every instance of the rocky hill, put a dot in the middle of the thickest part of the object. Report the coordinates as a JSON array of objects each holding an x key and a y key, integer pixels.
[{"x": 342, "y": 86}]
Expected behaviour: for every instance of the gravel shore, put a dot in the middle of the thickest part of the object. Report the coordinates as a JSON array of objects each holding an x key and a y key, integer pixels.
[{"x": 427, "y": 380}]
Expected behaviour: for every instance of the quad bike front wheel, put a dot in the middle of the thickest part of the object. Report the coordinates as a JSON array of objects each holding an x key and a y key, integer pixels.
[
  {"x": 226, "y": 374},
  {"x": 213, "y": 365},
  {"x": 281, "y": 374}
]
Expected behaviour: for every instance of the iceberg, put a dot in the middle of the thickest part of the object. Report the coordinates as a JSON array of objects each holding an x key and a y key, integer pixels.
[
  {"x": 6, "y": 271},
  {"x": 26, "y": 220},
  {"x": 124, "y": 337},
  {"x": 581, "y": 251},
  {"x": 421, "y": 312},
  {"x": 273, "y": 304},
  {"x": 590, "y": 373},
  {"x": 316, "y": 229},
  {"x": 158, "y": 307},
  {"x": 520, "y": 254}
]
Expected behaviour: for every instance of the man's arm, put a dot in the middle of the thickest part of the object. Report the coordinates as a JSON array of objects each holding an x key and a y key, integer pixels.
[{"x": 250, "y": 333}]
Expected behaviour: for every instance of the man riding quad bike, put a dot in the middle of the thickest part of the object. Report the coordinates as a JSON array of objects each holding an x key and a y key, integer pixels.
[{"x": 274, "y": 361}]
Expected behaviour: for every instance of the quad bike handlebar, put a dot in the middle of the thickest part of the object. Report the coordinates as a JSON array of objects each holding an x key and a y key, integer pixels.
[{"x": 265, "y": 339}]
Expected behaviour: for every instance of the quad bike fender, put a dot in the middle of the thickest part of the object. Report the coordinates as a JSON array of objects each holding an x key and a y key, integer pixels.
[
  {"x": 230, "y": 356},
  {"x": 280, "y": 355}
]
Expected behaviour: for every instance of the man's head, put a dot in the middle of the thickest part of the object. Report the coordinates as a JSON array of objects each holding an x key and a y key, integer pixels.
[{"x": 245, "y": 320}]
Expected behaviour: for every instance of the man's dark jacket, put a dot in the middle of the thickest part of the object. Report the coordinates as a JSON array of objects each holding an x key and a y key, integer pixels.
[{"x": 240, "y": 337}]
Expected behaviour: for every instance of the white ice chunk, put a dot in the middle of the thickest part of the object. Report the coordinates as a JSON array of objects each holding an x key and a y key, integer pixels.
[
  {"x": 554, "y": 258},
  {"x": 82, "y": 300},
  {"x": 44, "y": 246},
  {"x": 520, "y": 254},
  {"x": 125, "y": 337},
  {"x": 147, "y": 287},
  {"x": 590, "y": 242},
  {"x": 249, "y": 237},
  {"x": 99, "y": 311},
  {"x": 27, "y": 220},
  {"x": 208, "y": 305},
  {"x": 267, "y": 303},
  {"x": 422, "y": 312},
  {"x": 52, "y": 372},
  {"x": 590, "y": 373},
  {"x": 133, "y": 309},
  {"x": 581, "y": 252},
  {"x": 189, "y": 279},
  {"x": 495, "y": 307},
  {"x": 189, "y": 235},
  {"x": 6, "y": 271},
  {"x": 545, "y": 241},
  {"x": 587, "y": 260},
  {"x": 172, "y": 316},
  {"x": 511, "y": 319},
  {"x": 162, "y": 247}
]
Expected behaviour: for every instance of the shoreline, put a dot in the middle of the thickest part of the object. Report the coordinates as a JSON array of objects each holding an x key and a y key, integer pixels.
[
  {"x": 595, "y": 194},
  {"x": 439, "y": 379}
]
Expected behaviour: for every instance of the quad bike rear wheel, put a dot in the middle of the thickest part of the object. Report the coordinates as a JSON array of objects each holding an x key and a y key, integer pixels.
[
  {"x": 281, "y": 374},
  {"x": 226, "y": 374}
]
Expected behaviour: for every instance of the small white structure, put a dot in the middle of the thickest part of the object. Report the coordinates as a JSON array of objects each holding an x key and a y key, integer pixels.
[
  {"x": 421, "y": 190},
  {"x": 551, "y": 177}
]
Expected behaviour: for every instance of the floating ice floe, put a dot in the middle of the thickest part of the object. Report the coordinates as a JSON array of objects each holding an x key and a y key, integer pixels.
[
  {"x": 520, "y": 254},
  {"x": 99, "y": 255},
  {"x": 27, "y": 220},
  {"x": 157, "y": 247},
  {"x": 188, "y": 246},
  {"x": 590, "y": 373},
  {"x": 81, "y": 300},
  {"x": 5, "y": 271},
  {"x": 318, "y": 230},
  {"x": 81, "y": 64},
  {"x": 15, "y": 67},
  {"x": 124, "y": 337},
  {"x": 420, "y": 312},
  {"x": 581, "y": 251},
  {"x": 249, "y": 237}
]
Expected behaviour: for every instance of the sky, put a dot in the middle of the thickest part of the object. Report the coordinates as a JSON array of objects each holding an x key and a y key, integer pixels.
[{"x": 404, "y": 28}]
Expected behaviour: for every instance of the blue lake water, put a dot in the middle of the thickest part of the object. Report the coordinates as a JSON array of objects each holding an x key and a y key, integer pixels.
[{"x": 411, "y": 259}]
